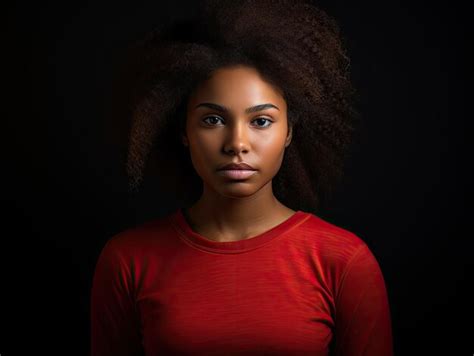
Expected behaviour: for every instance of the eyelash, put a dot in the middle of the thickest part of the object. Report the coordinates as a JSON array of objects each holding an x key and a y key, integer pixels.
[{"x": 258, "y": 118}]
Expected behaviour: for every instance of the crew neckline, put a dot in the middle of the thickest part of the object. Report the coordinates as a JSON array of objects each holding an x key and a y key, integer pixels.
[{"x": 203, "y": 243}]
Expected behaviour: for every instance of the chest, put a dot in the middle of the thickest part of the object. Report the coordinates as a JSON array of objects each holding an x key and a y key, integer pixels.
[{"x": 229, "y": 307}]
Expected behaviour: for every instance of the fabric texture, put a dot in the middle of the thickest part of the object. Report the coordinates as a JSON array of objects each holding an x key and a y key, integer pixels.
[{"x": 304, "y": 287}]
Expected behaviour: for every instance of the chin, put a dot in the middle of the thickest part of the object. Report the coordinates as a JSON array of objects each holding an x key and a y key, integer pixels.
[{"x": 237, "y": 189}]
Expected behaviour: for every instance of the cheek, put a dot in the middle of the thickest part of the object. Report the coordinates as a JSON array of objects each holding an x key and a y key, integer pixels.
[
  {"x": 202, "y": 151},
  {"x": 270, "y": 150}
]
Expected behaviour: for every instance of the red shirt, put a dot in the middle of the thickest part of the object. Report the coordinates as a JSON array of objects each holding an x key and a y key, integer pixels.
[{"x": 304, "y": 287}]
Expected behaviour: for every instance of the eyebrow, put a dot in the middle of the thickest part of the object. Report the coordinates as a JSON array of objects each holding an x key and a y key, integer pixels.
[{"x": 247, "y": 111}]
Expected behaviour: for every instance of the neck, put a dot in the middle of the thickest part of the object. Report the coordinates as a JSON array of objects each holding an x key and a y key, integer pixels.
[{"x": 232, "y": 218}]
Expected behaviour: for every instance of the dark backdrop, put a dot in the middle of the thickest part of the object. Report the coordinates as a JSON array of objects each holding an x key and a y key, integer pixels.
[{"x": 64, "y": 188}]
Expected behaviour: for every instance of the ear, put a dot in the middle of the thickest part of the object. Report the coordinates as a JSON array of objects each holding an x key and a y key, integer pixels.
[
  {"x": 184, "y": 139},
  {"x": 289, "y": 136}
]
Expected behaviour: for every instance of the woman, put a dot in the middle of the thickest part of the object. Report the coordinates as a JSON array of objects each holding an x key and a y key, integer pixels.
[{"x": 252, "y": 101}]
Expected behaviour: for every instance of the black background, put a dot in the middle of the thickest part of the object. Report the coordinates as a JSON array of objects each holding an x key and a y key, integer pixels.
[{"x": 64, "y": 188}]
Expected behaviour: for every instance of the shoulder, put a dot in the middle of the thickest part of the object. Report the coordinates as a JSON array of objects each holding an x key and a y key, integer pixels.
[
  {"x": 337, "y": 251},
  {"x": 333, "y": 248},
  {"x": 139, "y": 238},
  {"x": 331, "y": 240}
]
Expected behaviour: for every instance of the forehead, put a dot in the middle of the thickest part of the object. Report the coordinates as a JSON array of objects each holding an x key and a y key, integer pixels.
[{"x": 237, "y": 86}]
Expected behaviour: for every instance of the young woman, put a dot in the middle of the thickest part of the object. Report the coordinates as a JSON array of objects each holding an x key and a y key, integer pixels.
[{"x": 252, "y": 102}]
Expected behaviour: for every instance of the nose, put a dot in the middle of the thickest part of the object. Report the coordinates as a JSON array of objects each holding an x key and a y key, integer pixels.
[{"x": 236, "y": 138}]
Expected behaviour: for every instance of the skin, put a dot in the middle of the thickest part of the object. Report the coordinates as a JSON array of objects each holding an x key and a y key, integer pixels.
[{"x": 231, "y": 210}]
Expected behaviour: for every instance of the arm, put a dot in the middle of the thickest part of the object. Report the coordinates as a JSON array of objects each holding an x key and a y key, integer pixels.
[
  {"x": 363, "y": 323},
  {"x": 115, "y": 327}
]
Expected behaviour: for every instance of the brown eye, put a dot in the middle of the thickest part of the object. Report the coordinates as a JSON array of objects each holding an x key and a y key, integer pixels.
[
  {"x": 212, "y": 117},
  {"x": 264, "y": 119},
  {"x": 211, "y": 121}
]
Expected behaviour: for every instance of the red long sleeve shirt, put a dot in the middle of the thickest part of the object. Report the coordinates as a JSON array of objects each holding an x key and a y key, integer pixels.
[{"x": 304, "y": 287}]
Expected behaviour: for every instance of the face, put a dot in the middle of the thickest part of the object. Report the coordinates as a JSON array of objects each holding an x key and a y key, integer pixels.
[{"x": 234, "y": 117}]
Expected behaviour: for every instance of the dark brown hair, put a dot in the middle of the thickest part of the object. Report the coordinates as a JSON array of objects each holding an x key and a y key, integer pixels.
[{"x": 293, "y": 44}]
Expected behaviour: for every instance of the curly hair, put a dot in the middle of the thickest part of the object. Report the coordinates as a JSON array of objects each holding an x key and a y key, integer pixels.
[{"x": 293, "y": 44}]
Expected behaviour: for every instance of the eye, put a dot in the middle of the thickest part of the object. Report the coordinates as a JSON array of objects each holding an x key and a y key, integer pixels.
[
  {"x": 211, "y": 117},
  {"x": 260, "y": 119},
  {"x": 265, "y": 120}
]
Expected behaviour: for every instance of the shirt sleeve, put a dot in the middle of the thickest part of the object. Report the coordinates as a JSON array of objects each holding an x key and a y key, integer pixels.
[
  {"x": 363, "y": 321},
  {"x": 114, "y": 323}
]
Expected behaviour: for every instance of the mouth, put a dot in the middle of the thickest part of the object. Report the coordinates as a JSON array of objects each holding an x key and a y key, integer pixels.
[
  {"x": 237, "y": 173},
  {"x": 234, "y": 166}
]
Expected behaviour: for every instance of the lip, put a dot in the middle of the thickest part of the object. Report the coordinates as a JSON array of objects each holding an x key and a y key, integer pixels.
[
  {"x": 237, "y": 166},
  {"x": 237, "y": 173}
]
